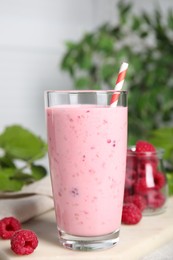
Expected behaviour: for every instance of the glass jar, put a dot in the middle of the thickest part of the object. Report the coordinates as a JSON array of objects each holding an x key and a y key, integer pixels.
[{"x": 146, "y": 184}]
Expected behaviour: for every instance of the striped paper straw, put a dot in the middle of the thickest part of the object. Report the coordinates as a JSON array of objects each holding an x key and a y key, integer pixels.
[{"x": 119, "y": 83}]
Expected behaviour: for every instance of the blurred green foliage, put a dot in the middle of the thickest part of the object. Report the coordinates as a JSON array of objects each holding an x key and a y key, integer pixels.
[{"x": 145, "y": 41}]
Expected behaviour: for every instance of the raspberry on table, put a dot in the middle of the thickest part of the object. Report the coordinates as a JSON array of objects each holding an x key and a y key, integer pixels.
[
  {"x": 131, "y": 214},
  {"x": 24, "y": 242},
  {"x": 8, "y": 226}
]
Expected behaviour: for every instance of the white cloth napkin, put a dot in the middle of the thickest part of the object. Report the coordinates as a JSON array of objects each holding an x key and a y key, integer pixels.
[{"x": 30, "y": 202}]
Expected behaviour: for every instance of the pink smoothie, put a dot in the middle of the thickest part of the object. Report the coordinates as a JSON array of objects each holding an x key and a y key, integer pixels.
[{"x": 87, "y": 155}]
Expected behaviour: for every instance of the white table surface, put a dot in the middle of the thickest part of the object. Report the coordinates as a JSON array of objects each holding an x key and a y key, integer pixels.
[{"x": 136, "y": 241}]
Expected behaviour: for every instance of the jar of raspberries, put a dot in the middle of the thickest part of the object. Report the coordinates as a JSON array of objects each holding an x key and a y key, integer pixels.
[{"x": 145, "y": 183}]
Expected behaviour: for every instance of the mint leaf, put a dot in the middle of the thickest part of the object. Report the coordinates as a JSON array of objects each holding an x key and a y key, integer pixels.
[
  {"x": 26, "y": 178},
  {"x": 20, "y": 143},
  {"x": 38, "y": 171},
  {"x": 6, "y": 162},
  {"x": 7, "y": 183}
]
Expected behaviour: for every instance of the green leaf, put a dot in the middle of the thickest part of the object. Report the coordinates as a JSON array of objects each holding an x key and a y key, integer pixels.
[
  {"x": 95, "y": 87},
  {"x": 105, "y": 43},
  {"x": 88, "y": 39},
  {"x": 136, "y": 23},
  {"x": 70, "y": 45},
  {"x": 38, "y": 172},
  {"x": 124, "y": 10},
  {"x": 163, "y": 137},
  {"x": 147, "y": 18},
  {"x": 7, "y": 183},
  {"x": 21, "y": 176},
  {"x": 158, "y": 16},
  {"x": 67, "y": 62},
  {"x": 82, "y": 83},
  {"x": 170, "y": 19},
  {"x": 6, "y": 162},
  {"x": 85, "y": 61},
  {"x": 20, "y": 143},
  {"x": 107, "y": 71},
  {"x": 144, "y": 34},
  {"x": 170, "y": 182}
]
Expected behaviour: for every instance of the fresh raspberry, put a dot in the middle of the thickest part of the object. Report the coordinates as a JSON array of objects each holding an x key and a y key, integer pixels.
[
  {"x": 130, "y": 178},
  {"x": 129, "y": 182},
  {"x": 143, "y": 146},
  {"x": 131, "y": 173},
  {"x": 141, "y": 186},
  {"x": 159, "y": 180},
  {"x": 8, "y": 226},
  {"x": 146, "y": 170},
  {"x": 155, "y": 199},
  {"x": 141, "y": 169},
  {"x": 142, "y": 173},
  {"x": 23, "y": 242},
  {"x": 127, "y": 192},
  {"x": 131, "y": 214},
  {"x": 138, "y": 200}
]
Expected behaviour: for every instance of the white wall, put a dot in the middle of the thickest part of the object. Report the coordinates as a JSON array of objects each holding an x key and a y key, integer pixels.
[{"x": 32, "y": 35}]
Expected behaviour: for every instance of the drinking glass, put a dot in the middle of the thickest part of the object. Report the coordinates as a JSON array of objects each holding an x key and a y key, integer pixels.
[{"x": 87, "y": 144}]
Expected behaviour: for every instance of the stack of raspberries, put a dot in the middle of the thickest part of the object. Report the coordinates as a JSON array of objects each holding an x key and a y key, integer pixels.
[{"x": 143, "y": 184}]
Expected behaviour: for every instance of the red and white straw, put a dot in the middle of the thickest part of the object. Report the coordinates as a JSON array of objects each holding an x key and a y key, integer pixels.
[{"x": 119, "y": 83}]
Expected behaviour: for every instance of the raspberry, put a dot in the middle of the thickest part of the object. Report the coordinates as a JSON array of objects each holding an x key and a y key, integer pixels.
[
  {"x": 155, "y": 199},
  {"x": 127, "y": 192},
  {"x": 143, "y": 146},
  {"x": 159, "y": 180},
  {"x": 131, "y": 214},
  {"x": 146, "y": 165},
  {"x": 141, "y": 186},
  {"x": 138, "y": 200},
  {"x": 129, "y": 182},
  {"x": 23, "y": 242},
  {"x": 131, "y": 173},
  {"x": 8, "y": 226},
  {"x": 130, "y": 178},
  {"x": 142, "y": 173}
]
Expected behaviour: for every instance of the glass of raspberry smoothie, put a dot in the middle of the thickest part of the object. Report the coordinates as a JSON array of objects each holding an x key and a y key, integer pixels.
[{"x": 87, "y": 144}]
